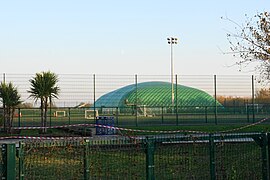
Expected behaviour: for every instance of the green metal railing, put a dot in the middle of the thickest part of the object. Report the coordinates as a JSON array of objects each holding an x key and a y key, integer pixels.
[{"x": 179, "y": 156}]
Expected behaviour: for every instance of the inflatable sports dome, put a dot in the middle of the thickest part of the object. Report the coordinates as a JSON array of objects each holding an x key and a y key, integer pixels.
[{"x": 156, "y": 94}]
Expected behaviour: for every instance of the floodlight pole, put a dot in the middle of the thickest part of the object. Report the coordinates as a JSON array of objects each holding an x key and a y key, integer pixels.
[{"x": 172, "y": 41}]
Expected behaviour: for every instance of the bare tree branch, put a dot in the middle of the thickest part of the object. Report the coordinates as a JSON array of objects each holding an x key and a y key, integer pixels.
[{"x": 251, "y": 42}]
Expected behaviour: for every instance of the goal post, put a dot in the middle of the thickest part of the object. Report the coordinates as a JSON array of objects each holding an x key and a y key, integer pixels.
[
  {"x": 90, "y": 114},
  {"x": 60, "y": 114},
  {"x": 31, "y": 112}
]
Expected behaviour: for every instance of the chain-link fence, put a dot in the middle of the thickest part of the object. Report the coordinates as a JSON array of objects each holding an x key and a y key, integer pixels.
[{"x": 179, "y": 156}]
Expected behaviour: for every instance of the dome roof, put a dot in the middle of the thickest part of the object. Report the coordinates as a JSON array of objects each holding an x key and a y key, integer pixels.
[{"x": 155, "y": 94}]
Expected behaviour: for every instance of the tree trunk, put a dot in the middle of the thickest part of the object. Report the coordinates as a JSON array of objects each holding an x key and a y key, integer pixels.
[
  {"x": 45, "y": 114},
  {"x": 11, "y": 118},
  {"x": 42, "y": 115},
  {"x": 4, "y": 116},
  {"x": 7, "y": 118}
]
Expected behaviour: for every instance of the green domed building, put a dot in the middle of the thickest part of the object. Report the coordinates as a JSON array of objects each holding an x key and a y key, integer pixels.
[{"x": 155, "y": 94}]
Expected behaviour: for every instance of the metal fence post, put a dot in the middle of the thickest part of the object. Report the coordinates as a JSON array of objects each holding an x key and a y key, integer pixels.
[
  {"x": 9, "y": 159},
  {"x": 162, "y": 115},
  {"x": 117, "y": 115},
  {"x": 69, "y": 116},
  {"x": 19, "y": 117},
  {"x": 205, "y": 113},
  {"x": 136, "y": 100},
  {"x": 176, "y": 101},
  {"x": 94, "y": 88},
  {"x": 215, "y": 91},
  {"x": 20, "y": 155},
  {"x": 262, "y": 140},
  {"x": 50, "y": 111},
  {"x": 150, "y": 148},
  {"x": 212, "y": 157},
  {"x": 253, "y": 98},
  {"x": 4, "y": 104},
  {"x": 264, "y": 152},
  {"x": 247, "y": 109},
  {"x": 4, "y": 77},
  {"x": 86, "y": 164},
  {"x": 234, "y": 106}
]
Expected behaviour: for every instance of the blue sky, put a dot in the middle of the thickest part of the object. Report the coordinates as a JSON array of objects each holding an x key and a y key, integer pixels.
[{"x": 119, "y": 37}]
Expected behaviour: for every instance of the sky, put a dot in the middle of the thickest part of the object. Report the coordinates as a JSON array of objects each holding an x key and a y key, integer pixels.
[{"x": 120, "y": 37}]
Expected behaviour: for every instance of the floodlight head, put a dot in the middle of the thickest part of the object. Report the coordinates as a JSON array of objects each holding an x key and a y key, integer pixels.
[{"x": 172, "y": 40}]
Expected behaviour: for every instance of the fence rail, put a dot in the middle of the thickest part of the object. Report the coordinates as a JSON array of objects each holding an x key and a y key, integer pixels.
[{"x": 179, "y": 156}]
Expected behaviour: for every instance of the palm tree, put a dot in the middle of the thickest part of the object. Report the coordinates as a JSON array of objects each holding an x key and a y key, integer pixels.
[
  {"x": 10, "y": 98},
  {"x": 44, "y": 88}
]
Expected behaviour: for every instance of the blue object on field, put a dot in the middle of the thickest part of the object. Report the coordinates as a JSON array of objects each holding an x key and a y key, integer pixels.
[{"x": 105, "y": 121}]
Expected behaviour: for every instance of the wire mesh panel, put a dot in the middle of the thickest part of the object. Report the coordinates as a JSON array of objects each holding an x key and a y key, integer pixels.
[
  {"x": 21, "y": 81},
  {"x": 201, "y": 82},
  {"x": 234, "y": 86},
  {"x": 238, "y": 157},
  {"x": 117, "y": 159},
  {"x": 75, "y": 89},
  {"x": 53, "y": 160},
  {"x": 154, "y": 99},
  {"x": 234, "y": 93},
  {"x": 126, "y": 116},
  {"x": 232, "y": 156},
  {"x": 105, "y": 84},
  {"x": 55, "y": 116},
  {"x": 261, "y": 100},
  {"x": 103, "y": 159},
  {"x": 182, "y": 159},
  {"x": 27, "y": 117},
  {"x": 110, "y": 94},
  {"x": 2, "y": 79},
  {"x": 203, "y": 99}
]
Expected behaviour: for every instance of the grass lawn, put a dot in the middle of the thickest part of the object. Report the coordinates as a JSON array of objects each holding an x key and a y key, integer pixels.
[
  {"x": 205, "y": 128},
  {"x": 201, "y": 128},
  {"x": 36, "y": 132}
]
